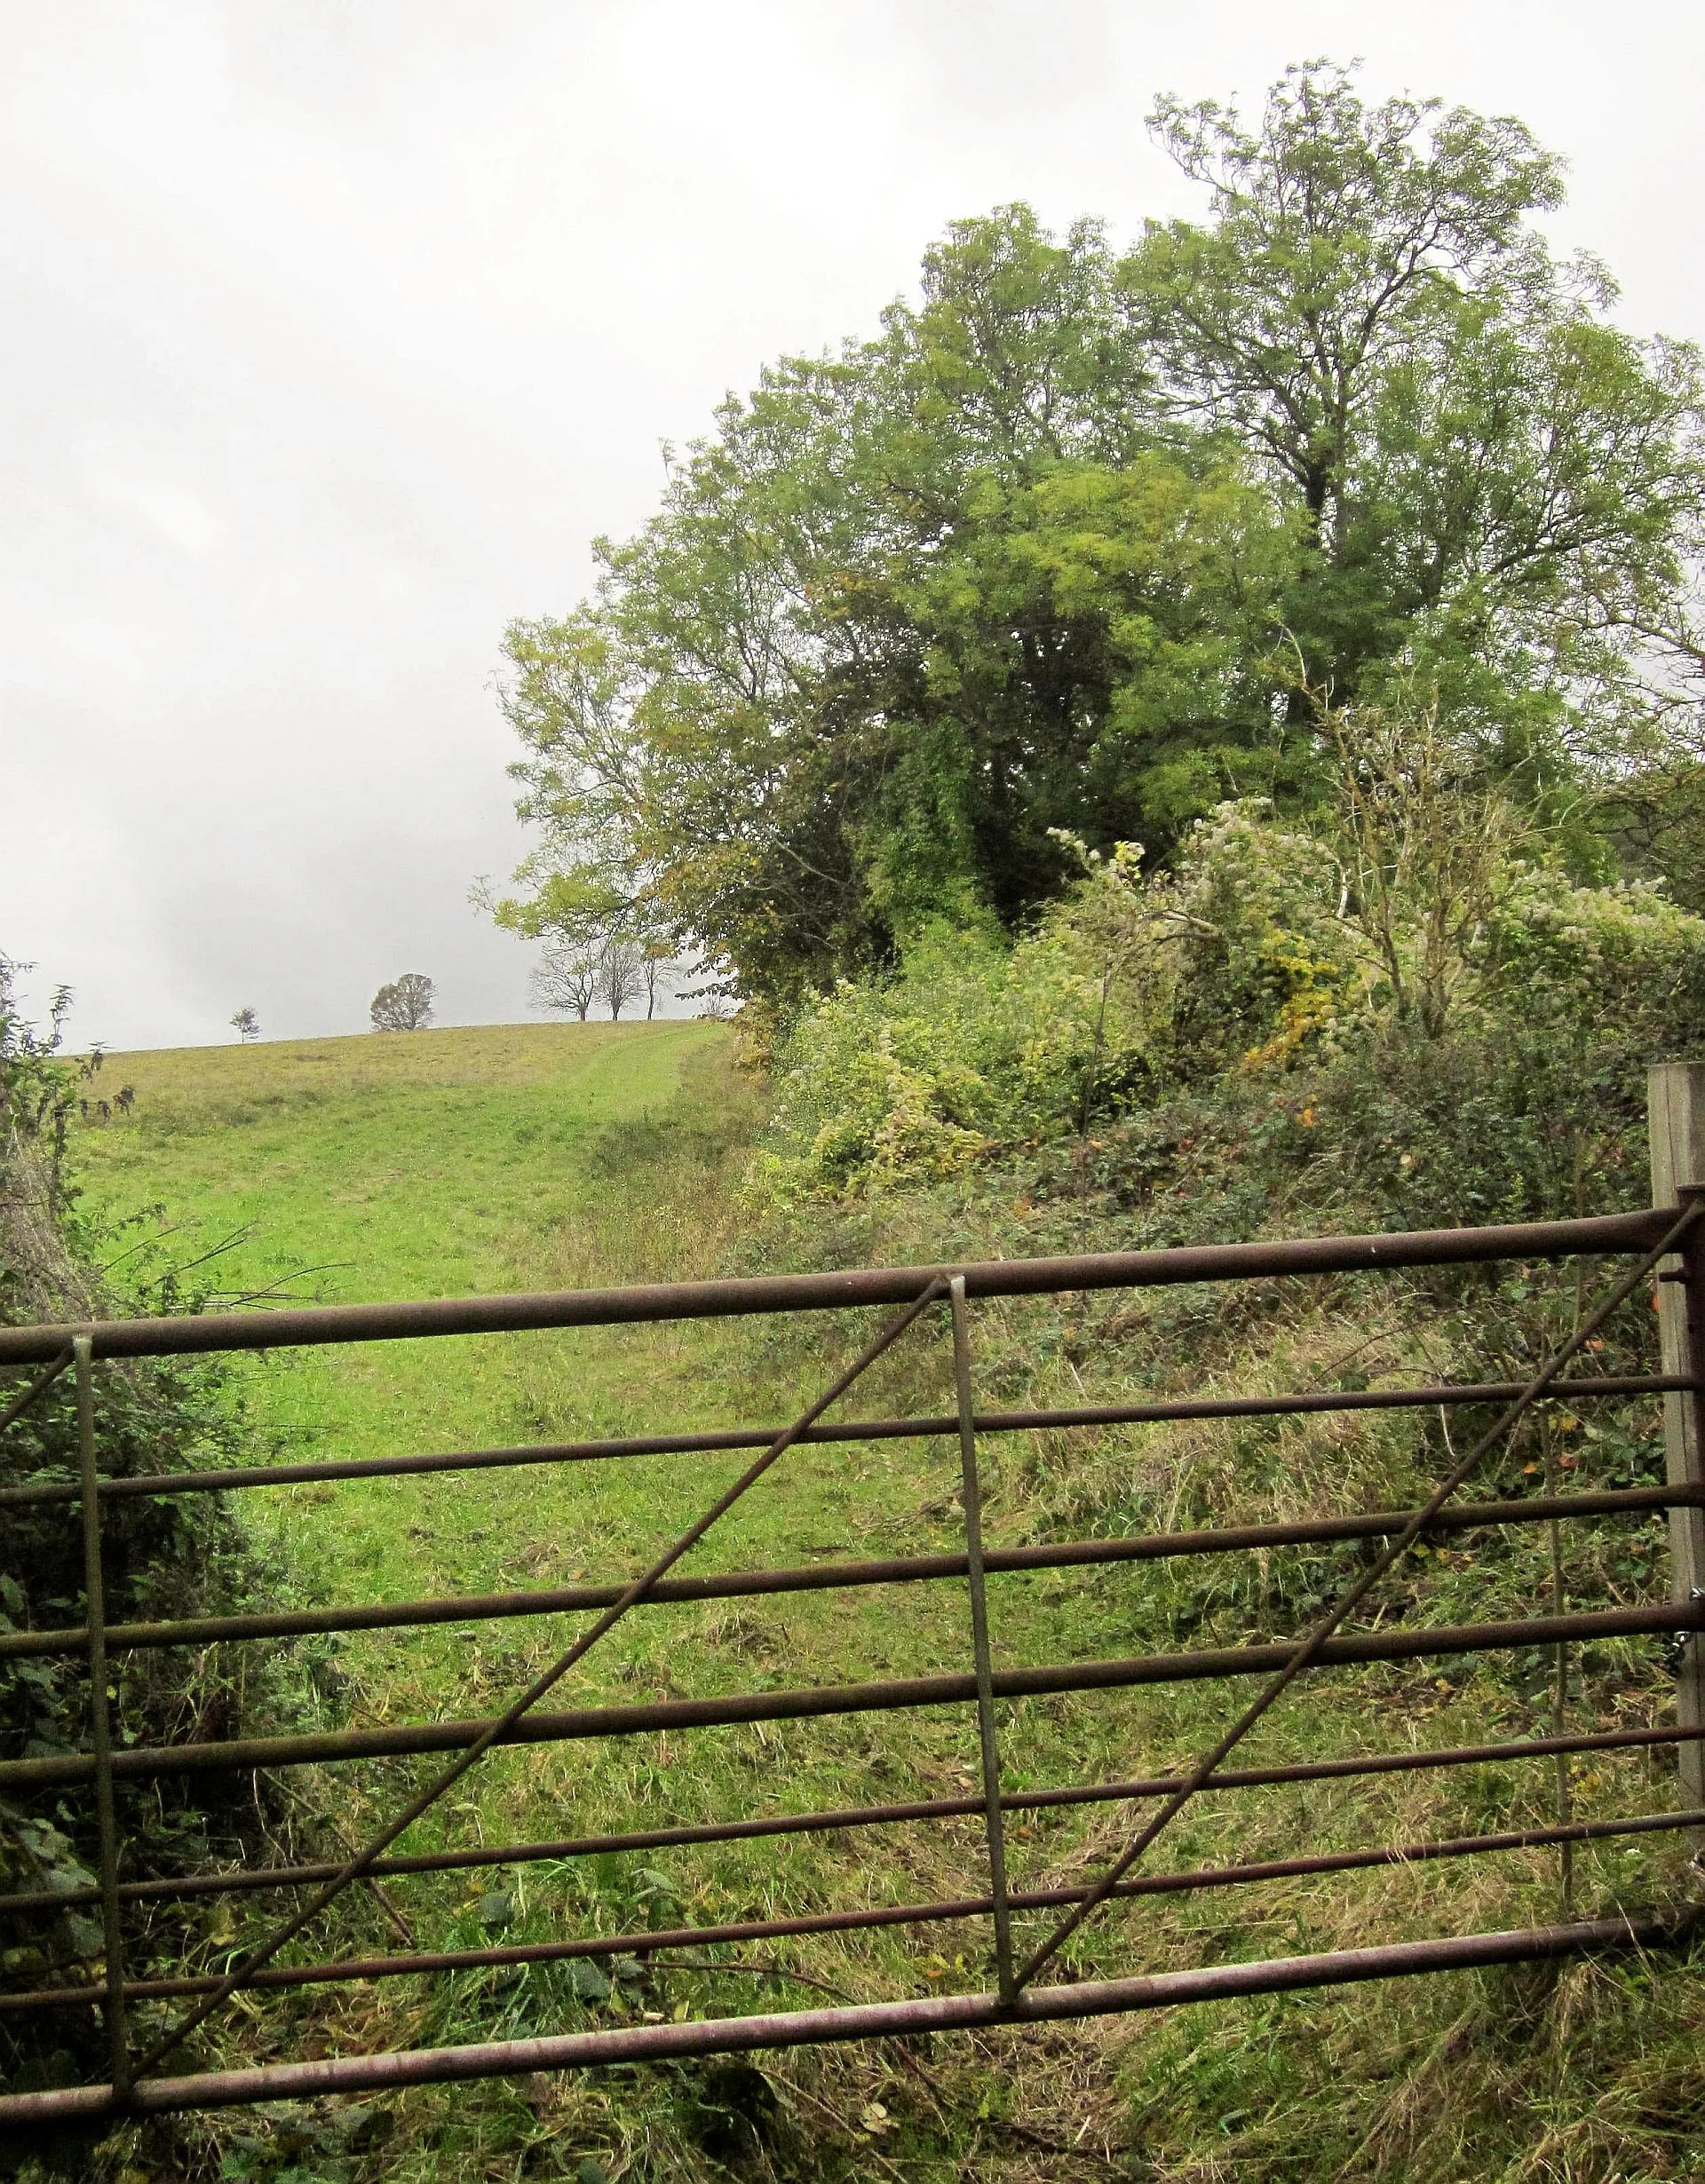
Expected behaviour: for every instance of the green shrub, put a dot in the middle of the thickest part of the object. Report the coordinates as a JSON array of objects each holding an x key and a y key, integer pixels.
[
  {"x": 1259, "y": 955},
  {"x": 163, "y": 1558},
  {"x": 974, "y": 1045}
]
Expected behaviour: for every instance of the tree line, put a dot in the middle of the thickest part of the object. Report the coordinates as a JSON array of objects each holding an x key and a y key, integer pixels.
[{"x": 1088, "y": 542}]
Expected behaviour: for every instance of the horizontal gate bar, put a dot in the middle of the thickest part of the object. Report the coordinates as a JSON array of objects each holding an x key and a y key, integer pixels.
[
  {"x": 1605, "y": 1233},
  {"x": 835, "y": 1577},
  {"x": 150, "y": 1763},
  {"x": 732, "y": 1439},
  {"x": 305, "y": 2081},
  {"x": 242, "y": 1879},
  {"x": 414, "y": 1963}
]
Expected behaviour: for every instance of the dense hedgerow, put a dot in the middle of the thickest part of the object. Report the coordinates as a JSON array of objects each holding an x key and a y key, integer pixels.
[
  {"x": 164, "y": 1557},
  {"x": 1260, "y": 961}
]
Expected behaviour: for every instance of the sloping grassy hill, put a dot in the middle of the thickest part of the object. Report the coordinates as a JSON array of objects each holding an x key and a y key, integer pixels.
[
  {"x": 435, "y": 1163},
  {"x": 440, "y": 1163},
  {"x": 461, "y": 1161},
  {"x": 453, "y": 1161}
]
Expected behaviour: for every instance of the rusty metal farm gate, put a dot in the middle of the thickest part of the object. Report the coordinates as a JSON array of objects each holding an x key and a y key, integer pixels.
[{"x": 1662, "y": 1250}]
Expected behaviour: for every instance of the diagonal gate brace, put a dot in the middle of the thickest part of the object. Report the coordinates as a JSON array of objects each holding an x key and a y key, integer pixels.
[
  {"x": 362, "y": 1861},
  {"x": 1311, "y": 1645}
]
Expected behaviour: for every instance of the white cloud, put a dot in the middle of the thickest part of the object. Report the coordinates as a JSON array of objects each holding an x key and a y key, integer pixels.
[{"x": 165, "y": 511}]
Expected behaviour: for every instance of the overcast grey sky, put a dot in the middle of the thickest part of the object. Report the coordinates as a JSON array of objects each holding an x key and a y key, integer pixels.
[{"x": 333, "y": 330}]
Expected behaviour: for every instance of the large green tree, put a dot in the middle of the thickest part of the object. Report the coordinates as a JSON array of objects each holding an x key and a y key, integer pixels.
[
  {"x": 1493, "y": 483},
  {"x": 1080, "y": 544}
]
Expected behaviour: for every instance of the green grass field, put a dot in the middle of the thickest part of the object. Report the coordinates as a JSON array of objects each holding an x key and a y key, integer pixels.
[
  {"x": 462, "y": 1162},
  {"x": 455, "y": 1162},
  {"x": 445, "y": 1163},
  {"x": 459, "y": 1163}
]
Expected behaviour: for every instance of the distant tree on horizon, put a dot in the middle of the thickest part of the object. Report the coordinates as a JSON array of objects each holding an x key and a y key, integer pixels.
[
  {"x": 246, "y": 1025},
  {"x": 566, "y": 980},
  {"x": 659, "y": 969},
  {"x": 621, "y": 975},
  {"x": 405, "y": 1005}
]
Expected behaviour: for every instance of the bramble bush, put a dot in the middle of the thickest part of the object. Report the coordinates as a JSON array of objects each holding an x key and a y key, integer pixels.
[
  {"x": 1264, "y": 953},
  {"x": 974, "y": 1044}
]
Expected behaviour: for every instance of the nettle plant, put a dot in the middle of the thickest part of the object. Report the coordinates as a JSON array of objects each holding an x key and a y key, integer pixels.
[{"x": 163, "y": 1556}]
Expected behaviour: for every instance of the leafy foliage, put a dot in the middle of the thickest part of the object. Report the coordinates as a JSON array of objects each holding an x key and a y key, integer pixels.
[
  {"x": 1494, "y": 482},
  {"x": 1086, "y": 544},
  {"x": 1263, "y": 953},
  {"x": 37, "y": 1084},
  {"x": 163, "y": 1556}
]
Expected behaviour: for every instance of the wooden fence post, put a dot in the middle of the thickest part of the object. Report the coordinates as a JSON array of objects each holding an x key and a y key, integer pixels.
[{"x": 1676, "y": 1109}]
